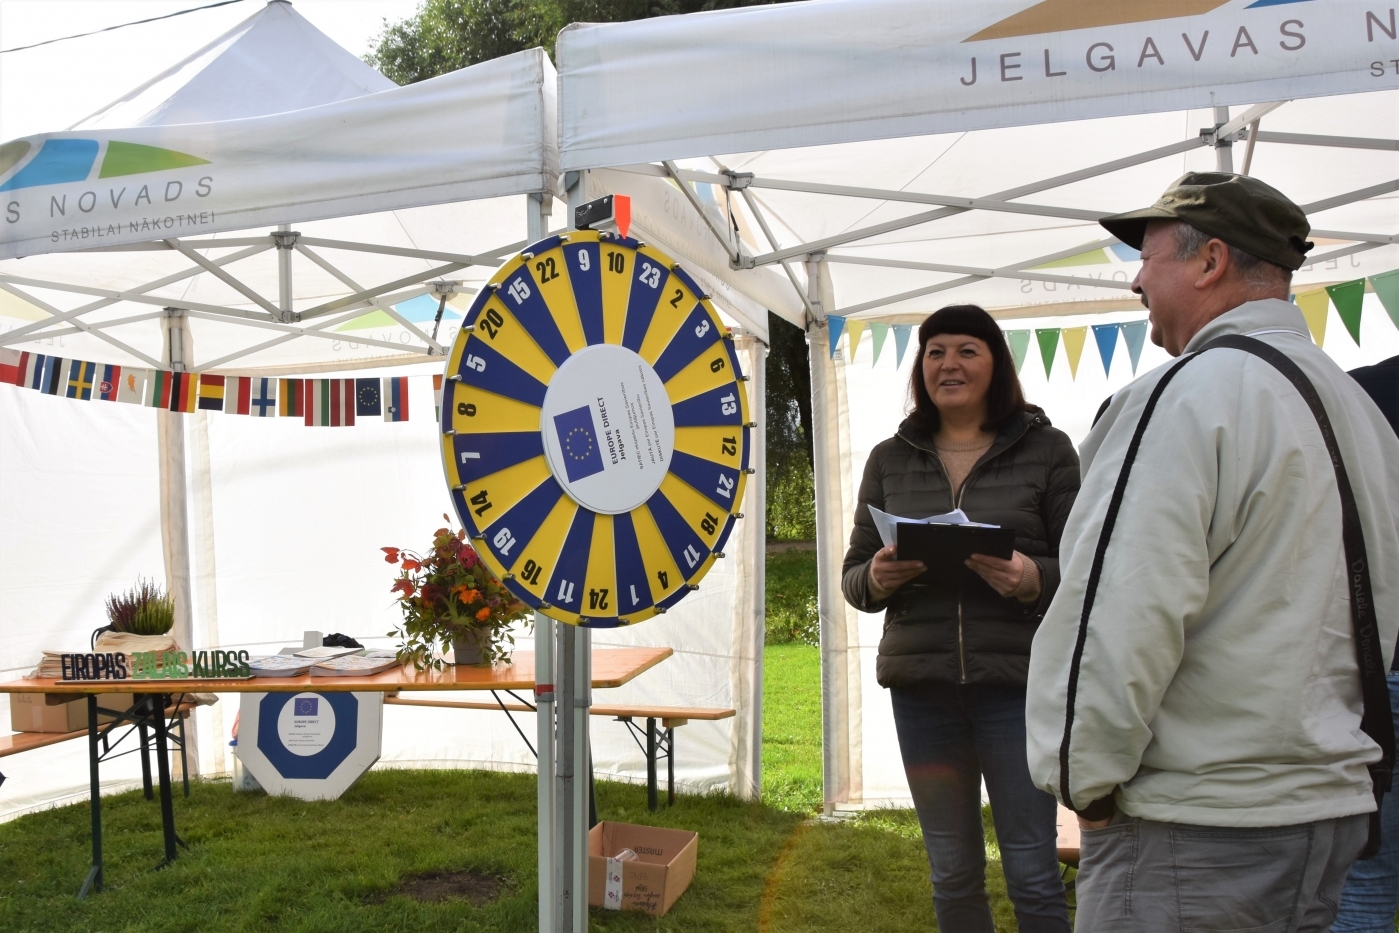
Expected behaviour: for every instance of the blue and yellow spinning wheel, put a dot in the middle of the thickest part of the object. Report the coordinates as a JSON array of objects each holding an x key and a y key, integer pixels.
[{"x": 595, "y": 431}]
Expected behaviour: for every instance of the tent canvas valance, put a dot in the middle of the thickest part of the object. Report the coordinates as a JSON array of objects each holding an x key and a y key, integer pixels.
[
  {"x": 835, "y": 71},
  {"x": 475, "y": 133}
]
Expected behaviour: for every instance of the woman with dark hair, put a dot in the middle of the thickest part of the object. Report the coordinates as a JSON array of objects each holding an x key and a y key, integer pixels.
[{"x": 955, "y": 653}]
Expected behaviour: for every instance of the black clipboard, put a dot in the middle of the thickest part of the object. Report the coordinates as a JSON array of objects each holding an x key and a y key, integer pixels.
[{"x": 944, "y": 548}]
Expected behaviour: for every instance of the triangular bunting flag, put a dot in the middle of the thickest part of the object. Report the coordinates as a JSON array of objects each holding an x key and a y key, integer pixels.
[
  {"x": 1314, "y": 305},
  {"x": 901, "y": 332},
  {"x": 856, "y": 330},
  {"x": 1073, "y": 345},
  {"x": 1105, "y": 335},
  {"x": 835, "y": 325},
  {"x": 1386, "y": 288},
  {"x": 878, "y": 332},
  {"x": 1134, "y": 333},
  {"x": 1019, "y": 341},
  {"x": 1049, "y": 343},
  {"x": 1348, "y": 298}
]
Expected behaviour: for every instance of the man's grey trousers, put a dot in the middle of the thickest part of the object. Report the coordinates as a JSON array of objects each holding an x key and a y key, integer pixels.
[{"x": 1139, "y": 876}]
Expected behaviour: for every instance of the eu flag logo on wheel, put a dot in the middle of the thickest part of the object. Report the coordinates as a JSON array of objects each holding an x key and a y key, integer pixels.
[
  {"x": 305, "y": 706},
  {"x": 578, "y": 442}
]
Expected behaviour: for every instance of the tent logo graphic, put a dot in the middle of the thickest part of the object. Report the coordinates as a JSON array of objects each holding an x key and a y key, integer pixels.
[
  {"x": 1064, "y": 15},
  {"x": 61, "y": 161}
]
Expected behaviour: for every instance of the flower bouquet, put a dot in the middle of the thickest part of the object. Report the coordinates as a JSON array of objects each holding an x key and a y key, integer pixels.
[{"x": 450, "y": 599}]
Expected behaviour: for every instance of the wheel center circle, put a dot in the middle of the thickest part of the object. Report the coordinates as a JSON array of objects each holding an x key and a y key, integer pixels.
[{"x": 608, "y": 428}]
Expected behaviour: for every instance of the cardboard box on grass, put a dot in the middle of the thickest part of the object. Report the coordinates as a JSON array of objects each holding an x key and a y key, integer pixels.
[
  {"x": 662, "y": 870},
  {"x": 52, "y": 712}
]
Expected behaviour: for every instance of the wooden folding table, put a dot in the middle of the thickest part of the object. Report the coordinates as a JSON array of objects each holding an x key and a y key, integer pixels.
[{"x": 611, "y": 667}]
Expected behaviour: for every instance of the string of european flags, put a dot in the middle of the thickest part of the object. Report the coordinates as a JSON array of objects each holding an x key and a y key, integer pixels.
[{"x": 318, "y": 402}]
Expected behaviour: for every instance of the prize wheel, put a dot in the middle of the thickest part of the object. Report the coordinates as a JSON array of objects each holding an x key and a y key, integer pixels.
[{"x": 595, "y": 431}]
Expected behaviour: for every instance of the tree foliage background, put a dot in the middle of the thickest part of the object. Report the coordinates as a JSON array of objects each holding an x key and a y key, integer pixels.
[{"x": 445, "y": 35}]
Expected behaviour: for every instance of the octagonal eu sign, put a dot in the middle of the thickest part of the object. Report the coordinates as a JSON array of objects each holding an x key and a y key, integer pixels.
[{"x": 310, "y": 745}]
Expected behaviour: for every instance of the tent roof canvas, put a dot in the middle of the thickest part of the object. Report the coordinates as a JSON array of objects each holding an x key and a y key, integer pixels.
[{"x": 272, "y": 62}]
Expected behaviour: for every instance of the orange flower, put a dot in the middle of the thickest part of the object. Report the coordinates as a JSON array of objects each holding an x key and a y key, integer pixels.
[
  {"x": 483, "y": 613},
  {"x": 391, "y": 554}
]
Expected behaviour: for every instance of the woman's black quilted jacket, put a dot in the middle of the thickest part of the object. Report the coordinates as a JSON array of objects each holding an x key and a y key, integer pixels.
[{"x": 968, "y": 633}]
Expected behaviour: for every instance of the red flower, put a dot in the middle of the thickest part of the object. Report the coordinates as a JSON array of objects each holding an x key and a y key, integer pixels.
[
  {"x": 404, "y": 586},
  {"x": 391, "y": 554},
  {"x": 409, "y": 564}
]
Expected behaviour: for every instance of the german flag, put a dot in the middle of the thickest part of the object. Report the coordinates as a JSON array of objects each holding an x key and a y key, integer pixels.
[
  {"x": 291, "y": 398},
  {"x": 211, "y": 390},
  {"x": 184, "y": 389}
]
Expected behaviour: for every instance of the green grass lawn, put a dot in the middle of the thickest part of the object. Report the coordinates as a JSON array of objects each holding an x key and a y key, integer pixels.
[{"x": 265, "y": 865}]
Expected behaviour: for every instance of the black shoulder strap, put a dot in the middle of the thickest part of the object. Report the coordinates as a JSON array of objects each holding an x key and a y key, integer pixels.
[{"x": 1376, "y": 719}]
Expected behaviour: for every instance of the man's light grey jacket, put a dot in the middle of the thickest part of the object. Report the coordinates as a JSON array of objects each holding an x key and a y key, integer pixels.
[{"x": 1218, "y": 683}]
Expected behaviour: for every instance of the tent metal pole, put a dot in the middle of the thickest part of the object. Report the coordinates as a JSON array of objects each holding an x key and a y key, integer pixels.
[
  {"x": 369, "y": 294},
  {"x": 748, "y": 738},
  {"x": 286, "y": 242},
  {"x": 1091, "y": 171},
  {"x": 228, "y": 279},
  {"x": 720, "y": 233},
  {"x": 772, "y": 244},
  {"x": 1350, "y": 197},
  {"x": 73, "y": 329},
  {"x": 80, "y": 325},
  {"x": 107, "y": 302},
  {"x": 544, "y": 692},
  {"x": 484, "y": 259},
  {"x": 135, "y": 297},
  {"x": 1342, "y": 252},
  {"x": 547, "y": 677},
  {"x": 910, "y": 295},
  {"x": 313, "y": 332},
  {"x": 1339, "y": 142},
  {"x": 825, "y": 422},
  {"x": 174, "y": 509},
  {"x": 1223, "y": 145},
  {"x": 1014, "y": 272},
  {"x": 582, "y": 775},
  {"x": 379, "y": 303}
]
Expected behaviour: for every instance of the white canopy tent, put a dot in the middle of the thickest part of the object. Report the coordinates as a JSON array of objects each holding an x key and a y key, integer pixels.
[
  {"x": 404, "y": 201},
  {"x": 893, "y": 157}
]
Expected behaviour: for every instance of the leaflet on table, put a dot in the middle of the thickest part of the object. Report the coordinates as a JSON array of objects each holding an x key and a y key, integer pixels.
[
  {"x": 324, "y": 652},
  {"x": 352, "y": 666},
  {"x": 280, "y": 665},
  {"x": 886, "y": 524}
]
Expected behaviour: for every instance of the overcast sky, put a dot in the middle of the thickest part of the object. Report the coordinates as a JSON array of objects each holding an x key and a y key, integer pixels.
[{"x": 54, "y": 86}]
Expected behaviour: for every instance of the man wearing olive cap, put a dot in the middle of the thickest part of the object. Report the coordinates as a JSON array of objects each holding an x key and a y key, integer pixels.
[{"x": 1195, "y": 688}]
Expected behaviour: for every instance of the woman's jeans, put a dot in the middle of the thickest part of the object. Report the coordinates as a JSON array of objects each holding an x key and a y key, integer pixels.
[
  {"x": 1371, "y": 894},
  {"x": 951, "y": 737}
]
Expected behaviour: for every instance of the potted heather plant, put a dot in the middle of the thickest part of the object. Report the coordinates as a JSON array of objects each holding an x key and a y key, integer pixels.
[
  {"x": 145, "y": 609},
  {"x": 450, "y": 599}
]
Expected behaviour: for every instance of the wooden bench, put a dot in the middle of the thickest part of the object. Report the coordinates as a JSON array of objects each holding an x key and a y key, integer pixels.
[
  {"x": 658, "y": 744},
  {"x": 27, "y": 741}
]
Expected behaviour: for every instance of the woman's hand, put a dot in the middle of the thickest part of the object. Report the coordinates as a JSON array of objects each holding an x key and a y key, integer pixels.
[
  {"x": 1004, "y": 576},
  {"x": 890, "y": 573}
]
